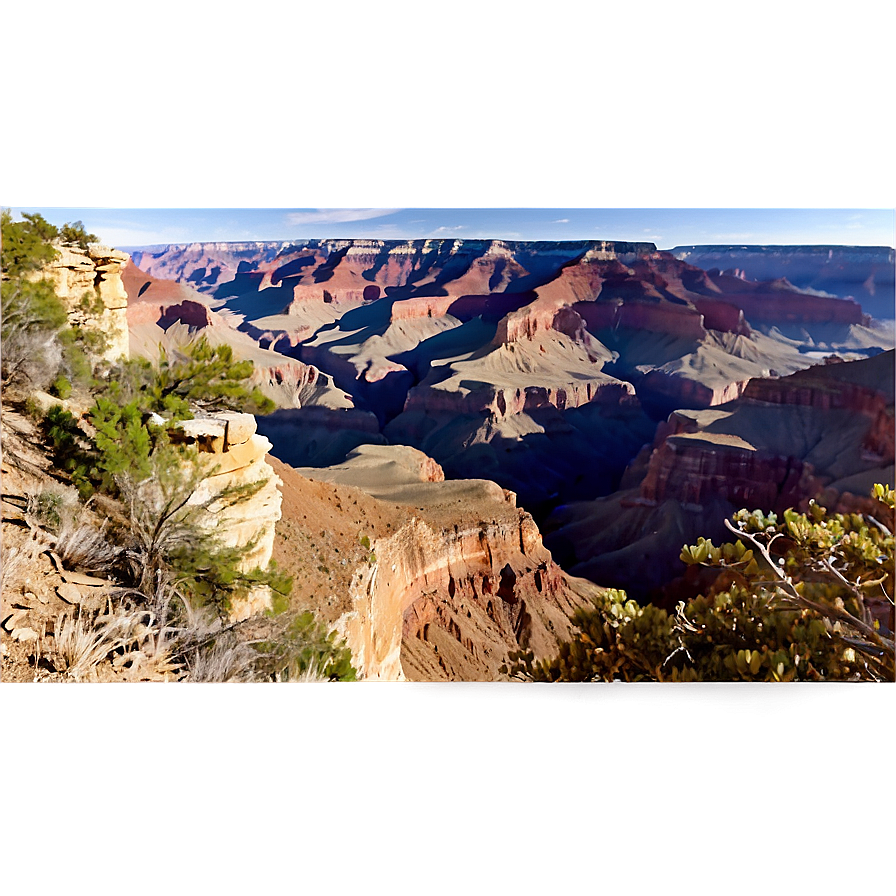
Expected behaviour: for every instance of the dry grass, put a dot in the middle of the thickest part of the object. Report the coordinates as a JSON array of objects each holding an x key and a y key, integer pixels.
[
  {"x": 85, "y": 640},
  {"x": 83, "y": 546},
  {"x": 222, "y": 661},
  {"x": 313, "y": 674},
  {"x": 17, "y": 564}
]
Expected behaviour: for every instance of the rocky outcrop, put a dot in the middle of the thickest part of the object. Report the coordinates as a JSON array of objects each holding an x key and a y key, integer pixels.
[
  {"x": 695, "y": 468},
  {"x": 688, "y": 391},
  {"x": 743, "y": 453},
  {"x": 90, "y": 285},
  {"x": 451, "y": 603},
  {"x": 234, "y": 456}
]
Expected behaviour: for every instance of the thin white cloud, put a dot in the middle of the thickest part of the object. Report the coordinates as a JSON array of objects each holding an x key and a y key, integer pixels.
[
  {"x": 732, "y": 237},
  {"x": 126, "y": 236},
  {"x": 337, "y": 215},
  {"x": 561, "y": 221},
  {"x": 444, "y": 229}
]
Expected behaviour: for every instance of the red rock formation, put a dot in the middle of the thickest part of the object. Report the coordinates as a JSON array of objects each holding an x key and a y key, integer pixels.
[
  {"x": 695, "y": 469},
  {"x": 812, "y": 389},
  {"x": 488, "y": 399},
  {"x": 724, "y": 316},
  {"x": 692, "y": 461},
  {"x": 423, "y": 306},
  {"x": 691, "y": 392},
  {"x": 451, "y": 604}
]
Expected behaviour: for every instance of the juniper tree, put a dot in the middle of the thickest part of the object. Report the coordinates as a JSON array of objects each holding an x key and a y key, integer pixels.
[{"x": 808, "y": 597}]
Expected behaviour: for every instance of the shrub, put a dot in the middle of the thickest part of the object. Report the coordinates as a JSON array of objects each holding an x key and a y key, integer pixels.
[
  {"x": 76, "y": 235},
  {"x": 32, "y": 316},
  {"x": 25, "y": 245},
  {"x": 61, "y": 387},
  {"x": 52, "y": 507},
  {"x": 305, "y": 647},
  {"x": 800, "y": 598}
]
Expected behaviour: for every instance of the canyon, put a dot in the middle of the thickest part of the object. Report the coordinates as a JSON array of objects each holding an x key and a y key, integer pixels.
[{"x": 442, "y": 403}]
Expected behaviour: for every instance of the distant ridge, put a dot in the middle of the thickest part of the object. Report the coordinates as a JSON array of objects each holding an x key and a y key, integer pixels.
[{"x": 865, "y": 273}]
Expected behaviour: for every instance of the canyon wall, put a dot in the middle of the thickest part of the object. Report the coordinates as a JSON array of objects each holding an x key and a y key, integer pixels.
[
  {"x": 490, "y": 589},
  {"x": 864, "y": 272}
]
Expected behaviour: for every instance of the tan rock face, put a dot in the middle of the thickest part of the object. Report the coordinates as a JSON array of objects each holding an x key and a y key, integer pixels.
[
  {"x": 235, "y": 457},
  {"x": 91, "y": 274},
  {"x": 450, "y": 604}
]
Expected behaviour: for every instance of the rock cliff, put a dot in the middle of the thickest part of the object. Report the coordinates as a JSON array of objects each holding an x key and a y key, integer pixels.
[
  {"x": 235, "y": 457},
  {"x": 430, "y": 580},
  {"x": 89, "y": 282}
]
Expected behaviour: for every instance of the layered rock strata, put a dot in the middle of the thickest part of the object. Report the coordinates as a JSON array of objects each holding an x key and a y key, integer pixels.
[
  {"x": 240, "y": 493},
  {"x": 826, "y": 433},
  {"x": 461, "y": 580},
  {"x": 414, "y": 607}
]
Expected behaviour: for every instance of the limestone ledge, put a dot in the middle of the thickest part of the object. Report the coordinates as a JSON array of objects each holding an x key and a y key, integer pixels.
[
  {"x": 95, "y": 271},
  {"x": 234, "y": 455}
]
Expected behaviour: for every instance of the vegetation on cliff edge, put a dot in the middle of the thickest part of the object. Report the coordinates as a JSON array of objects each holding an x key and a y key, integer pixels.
[{"x": 178, "y": 580}]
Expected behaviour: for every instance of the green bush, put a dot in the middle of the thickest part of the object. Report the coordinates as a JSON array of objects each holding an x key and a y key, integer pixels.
[
  {"x": 61, "y": 387},
  {"x": 26, "y": 245},
  {"x": 794, "y": 599},
  {"x": 76, "y": 235},
  {"x": 305, "y": 646},
  {"x": 200, "y": 377}
]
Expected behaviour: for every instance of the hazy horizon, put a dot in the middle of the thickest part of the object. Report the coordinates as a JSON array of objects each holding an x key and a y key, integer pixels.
[{"x": 666, "y": 228}]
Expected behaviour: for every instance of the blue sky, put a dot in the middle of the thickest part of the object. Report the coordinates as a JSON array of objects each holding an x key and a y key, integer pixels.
[
  {"x": 673, "y": 121},
  {"x": 665, "y": 227}
]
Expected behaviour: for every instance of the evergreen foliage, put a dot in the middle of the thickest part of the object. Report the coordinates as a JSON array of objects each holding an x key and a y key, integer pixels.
[
  {"x": 203, "y": 377},
  {"x": 793, "y": 601},
  {"x": 305, "y": 646},
  {"x": 37, "y": 339},
  {"x": 76, "y": 235},
  {"x": 167, "y": 545},
  {"x": 26, "y": 245}
]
